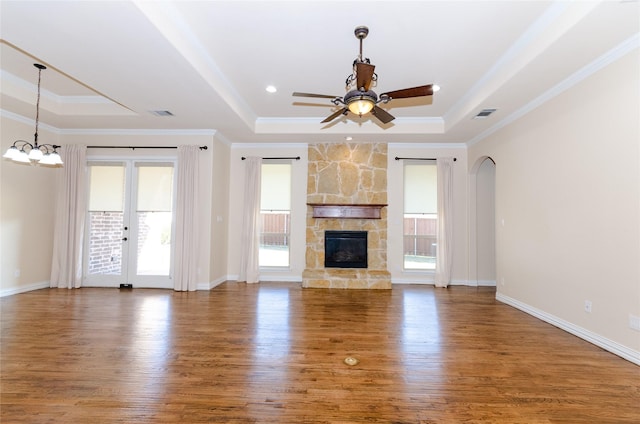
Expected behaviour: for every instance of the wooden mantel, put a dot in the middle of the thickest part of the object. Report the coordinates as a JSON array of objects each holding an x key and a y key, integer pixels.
[{"x": 346, "y": 211}]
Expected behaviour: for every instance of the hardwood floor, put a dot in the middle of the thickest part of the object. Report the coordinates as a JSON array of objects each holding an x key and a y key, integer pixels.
[{"x": 274, "y": 353}]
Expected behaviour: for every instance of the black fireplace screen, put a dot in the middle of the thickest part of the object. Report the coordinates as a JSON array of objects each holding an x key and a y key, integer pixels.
[{"x": 345, "y": 249}]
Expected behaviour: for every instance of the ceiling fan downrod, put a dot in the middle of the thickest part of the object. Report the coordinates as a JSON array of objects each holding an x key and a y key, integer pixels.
[{"x": 361, "y": 33}]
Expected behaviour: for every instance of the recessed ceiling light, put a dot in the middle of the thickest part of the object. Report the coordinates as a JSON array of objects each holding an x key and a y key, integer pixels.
[
  {"x": 348, "y": 138},
  {"x": 271, "y": 89},
  {"x": 435, "y": 88}
]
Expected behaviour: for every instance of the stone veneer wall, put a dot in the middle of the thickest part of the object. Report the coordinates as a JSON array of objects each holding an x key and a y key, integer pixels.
[{"x": 347, "y": 173}]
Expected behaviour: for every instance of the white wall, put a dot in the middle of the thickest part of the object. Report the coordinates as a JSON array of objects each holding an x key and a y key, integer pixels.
[
  {"x": 298, "y": 207},
  {"x": 220, "y": 187},
  {"x": 27, "y": 203},
  {"x": 568, "y": 190},
  {"x": 395, "y": 211},
  {"x": 485, "y": 221}
]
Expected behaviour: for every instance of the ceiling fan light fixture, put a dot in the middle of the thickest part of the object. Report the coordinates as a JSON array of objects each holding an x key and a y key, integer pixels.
[{"x": 360, "y": 102}]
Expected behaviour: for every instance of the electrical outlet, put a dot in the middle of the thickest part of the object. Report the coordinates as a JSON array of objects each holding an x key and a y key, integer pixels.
[
  {"x": 634, "y": 322},
  {"x": 16, "y": 273},
  {"x": 587, "y": 306},
  {"x": 502, "y": 281}
]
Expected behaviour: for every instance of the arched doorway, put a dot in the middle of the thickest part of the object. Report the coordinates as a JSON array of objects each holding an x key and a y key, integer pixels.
[{"x": 482, "y": 249}]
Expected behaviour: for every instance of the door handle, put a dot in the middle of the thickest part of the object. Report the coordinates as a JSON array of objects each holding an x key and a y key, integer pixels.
[{"x": 124, "y": 239}]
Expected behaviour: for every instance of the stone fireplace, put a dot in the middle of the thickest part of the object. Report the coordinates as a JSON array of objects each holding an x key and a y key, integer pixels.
[{"x": 347, "y": 192}]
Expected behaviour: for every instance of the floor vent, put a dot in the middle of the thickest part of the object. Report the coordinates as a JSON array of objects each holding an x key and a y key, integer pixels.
[{"x": 126, "y": 286}]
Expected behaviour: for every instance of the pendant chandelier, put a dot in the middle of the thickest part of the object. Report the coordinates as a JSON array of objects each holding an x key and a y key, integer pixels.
[{"x": 33, "y": 153}]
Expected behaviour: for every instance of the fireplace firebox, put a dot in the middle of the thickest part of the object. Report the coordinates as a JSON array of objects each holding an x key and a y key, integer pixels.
[{"x": 345, "y": 249}]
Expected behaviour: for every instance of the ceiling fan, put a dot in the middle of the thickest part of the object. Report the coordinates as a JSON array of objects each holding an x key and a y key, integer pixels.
[{"x": 360, "y": 100}]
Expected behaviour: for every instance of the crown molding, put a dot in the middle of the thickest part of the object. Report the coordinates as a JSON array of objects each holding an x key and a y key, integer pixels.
[
  {"x": 126, "y": 131},
  {"x": 98, "y": 131},
  {"x": 601, "y": 62},
  {"x": 428, "y": 145},
  {"x": 269, "y": 145},
  {"x": 29, "y": 121}
]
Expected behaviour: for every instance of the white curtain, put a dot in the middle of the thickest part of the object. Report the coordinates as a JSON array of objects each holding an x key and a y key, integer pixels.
[
  {"x": 186, "y": 239},
  {"x": 445, "y": 220},
  {"x": 250, "y": 238},
  {"x": 68, "y": 233}
]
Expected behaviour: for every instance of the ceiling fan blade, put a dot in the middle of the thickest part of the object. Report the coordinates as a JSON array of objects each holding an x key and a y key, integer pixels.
[
  {"x": 335, "y": 115},
  {"x": 364, "y": 72},
  {"x": 423, "y": 90},
  {"x": 384, "y": 116},
  {"x": 322, "y": 96}
]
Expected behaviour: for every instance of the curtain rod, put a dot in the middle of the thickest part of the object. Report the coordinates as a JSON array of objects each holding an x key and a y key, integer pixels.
[
  {"x": 397, "y": 158},
  {"x": 291, "y": 157},
  {"x": 139, "y": 147}
]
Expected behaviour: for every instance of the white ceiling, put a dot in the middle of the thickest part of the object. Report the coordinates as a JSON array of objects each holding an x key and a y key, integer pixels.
[{"x": 208, "y": 62}]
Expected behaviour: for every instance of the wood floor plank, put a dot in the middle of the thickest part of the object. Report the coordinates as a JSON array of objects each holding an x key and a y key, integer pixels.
[{"x": 274, "y": 353}]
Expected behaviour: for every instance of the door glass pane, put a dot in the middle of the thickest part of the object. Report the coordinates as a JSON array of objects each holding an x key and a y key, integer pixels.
[
  {"x": 154, "y": 219},
  {"x": 106, "y": 218}
]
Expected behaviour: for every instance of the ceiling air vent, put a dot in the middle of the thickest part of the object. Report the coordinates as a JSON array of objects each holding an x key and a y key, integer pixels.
[
  {"x": 484, "y": 113},
  {"x": 161, "y": 113}
]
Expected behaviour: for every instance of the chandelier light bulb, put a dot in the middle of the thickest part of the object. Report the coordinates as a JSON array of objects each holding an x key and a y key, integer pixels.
[
  {"x": 22, "y": 157},
  {"x": 47, "y": 159},
  {"x": 12, "y": 153},
  {"x": 35, "y": 155},
  {"x": 55, "y": 157}
]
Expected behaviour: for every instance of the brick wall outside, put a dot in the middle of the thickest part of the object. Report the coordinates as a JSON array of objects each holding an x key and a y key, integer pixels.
[{"x": 105, "y": 242}]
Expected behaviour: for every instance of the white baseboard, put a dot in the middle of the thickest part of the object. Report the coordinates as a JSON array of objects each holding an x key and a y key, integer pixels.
[
  {"x": 470, "y": 283},
  {"x": 589, "y": 336},
  {"x": 267, "y": 278},
  {"x": 23, "y": 289},
  {"x": 410, "y": 277},
  {"x": 282, "y": 279},
  {"x": 210, "y": 285},
  {"x": 473, "y": 283},
  {"x": 411, "y": 281}
]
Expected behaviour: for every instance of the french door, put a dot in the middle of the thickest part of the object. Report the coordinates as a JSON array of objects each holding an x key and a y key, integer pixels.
[{"x": 129, "y": 227}]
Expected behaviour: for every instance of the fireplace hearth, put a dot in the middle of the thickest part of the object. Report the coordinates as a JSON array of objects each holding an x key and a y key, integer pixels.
[{"x": 345, "y": 249}]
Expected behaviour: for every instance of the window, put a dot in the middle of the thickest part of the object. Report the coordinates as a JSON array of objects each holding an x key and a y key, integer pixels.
[
  {"x": 275, "y": 214},
  {"x": 420, "y": 216}
]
